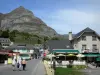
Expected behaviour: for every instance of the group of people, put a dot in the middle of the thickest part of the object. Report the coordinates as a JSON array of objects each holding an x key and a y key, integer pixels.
[{"x": 18, "y": 63}]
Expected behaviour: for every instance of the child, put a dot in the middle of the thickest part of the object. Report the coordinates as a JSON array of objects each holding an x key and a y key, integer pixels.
[{"x": 23, "y": 64}]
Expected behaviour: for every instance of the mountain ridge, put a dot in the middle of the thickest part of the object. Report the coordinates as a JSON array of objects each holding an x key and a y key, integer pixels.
[{"x": 24, "y": 20}]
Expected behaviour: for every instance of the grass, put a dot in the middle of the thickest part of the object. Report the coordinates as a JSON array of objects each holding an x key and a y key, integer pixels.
[
  {"x": 67, "y": 71},
  {"x": 79, "y": 67}
]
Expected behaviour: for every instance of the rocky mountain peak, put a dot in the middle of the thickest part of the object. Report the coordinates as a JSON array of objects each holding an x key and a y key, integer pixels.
[
  {"x": 23, "y": 20},
  {"x": 21, "y": 11},
  {"x": 21, "y": 7}
]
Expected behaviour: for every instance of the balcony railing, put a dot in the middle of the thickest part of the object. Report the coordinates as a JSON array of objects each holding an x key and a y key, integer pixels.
[
  {"x": 95, "y": 50},
  {"x": 90, "y": 51}
]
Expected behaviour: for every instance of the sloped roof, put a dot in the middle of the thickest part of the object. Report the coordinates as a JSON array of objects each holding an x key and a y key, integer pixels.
[
  {"x": 21, "y": 46},
  {"x": 2, "y": 38},
  {"x": 59, "y": 44},
  {"x": 83, "y": 31}
]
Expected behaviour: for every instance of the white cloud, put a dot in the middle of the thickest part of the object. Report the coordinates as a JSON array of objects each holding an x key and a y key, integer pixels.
[{"x": 64, "y": 21}]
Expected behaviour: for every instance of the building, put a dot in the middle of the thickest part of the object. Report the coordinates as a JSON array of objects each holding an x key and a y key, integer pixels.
[
  {"x": 5, "y": 42},
  {"x": 4, "y": 55},
  {"x": 26, "y": 50},
  {"x": 59, "y": 44},
  {"x": 86, "y": 40}
]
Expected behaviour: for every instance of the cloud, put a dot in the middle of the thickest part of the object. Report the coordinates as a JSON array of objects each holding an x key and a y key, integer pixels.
[{"x": 66, "y": 20}]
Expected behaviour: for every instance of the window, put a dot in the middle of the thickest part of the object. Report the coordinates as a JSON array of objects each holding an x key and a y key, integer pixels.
[
  {"x": 2, "y": 40},
  {"x": 76, "y": 45},
  {"x": 5, "y": 44},
  {"x": 84, "y": 38},
  {"x": 6, "y": 40},
  {"x": 94, "y": 38},
  {"x": 83, "y": 47},
  {"x": 94, "y": 47}
]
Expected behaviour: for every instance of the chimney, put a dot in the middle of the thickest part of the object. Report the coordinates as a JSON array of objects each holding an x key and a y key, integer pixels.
[{"x": 70, "y": 36}]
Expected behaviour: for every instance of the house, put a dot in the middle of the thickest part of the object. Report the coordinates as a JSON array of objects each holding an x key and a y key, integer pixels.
[
  {"x": 86, "y": 40},
  {"x": 58, "y": 45},
  {"x": 5, "y": 42},
  {"x": 26, "y": 50},
  {"x": 4, "y": 55}
]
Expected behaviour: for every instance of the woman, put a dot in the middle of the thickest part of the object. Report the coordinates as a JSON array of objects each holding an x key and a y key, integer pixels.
[
  {"x": 19, "y": 64},
  {"x": 14, "y": 63},
  {"x": 23, "y": 64}
]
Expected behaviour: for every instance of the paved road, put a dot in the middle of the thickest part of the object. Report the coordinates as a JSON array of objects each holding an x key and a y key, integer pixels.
[
  {"x": 92, "y": 71},
  {"x": 34, "y": 67}
]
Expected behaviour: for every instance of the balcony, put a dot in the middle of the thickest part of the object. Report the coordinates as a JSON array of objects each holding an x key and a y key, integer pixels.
[
  {"x": 95, "y": 50},
  {"x": 90, "y": 51}
]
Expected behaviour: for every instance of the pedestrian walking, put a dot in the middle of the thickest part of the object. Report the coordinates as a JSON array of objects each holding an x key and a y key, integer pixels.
[
  {"x": 96, "y": 65},
  {"x": 19, "y": 64},
  {"x": 14, "y": 62},
  {"x": 24, "y": 64}
]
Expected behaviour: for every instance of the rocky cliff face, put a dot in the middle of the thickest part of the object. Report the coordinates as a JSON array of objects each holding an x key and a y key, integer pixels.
[{"x": 24, "y": 20}]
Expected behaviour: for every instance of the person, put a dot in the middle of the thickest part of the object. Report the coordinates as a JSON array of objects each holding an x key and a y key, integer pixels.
[
  {"x": 96, "y": 65},
  {"x": 14, "y": 62},
  {"x": 19, "y": 64},
  {"x": 24, "y": 64}
]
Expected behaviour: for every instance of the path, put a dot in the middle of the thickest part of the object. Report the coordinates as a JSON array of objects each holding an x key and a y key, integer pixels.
[
  {"x": 95, "y": 71},
  {"x": 34, "y": 67}
]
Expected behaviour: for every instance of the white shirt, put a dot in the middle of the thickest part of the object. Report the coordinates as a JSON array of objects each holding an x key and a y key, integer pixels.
[{"x": 13, "y": 62}]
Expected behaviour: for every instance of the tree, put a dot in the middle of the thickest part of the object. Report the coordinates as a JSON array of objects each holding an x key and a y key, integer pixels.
[
  {"x": 12, "y": 35},
  {"x": 5, "y": 34},
  {"x": 46, "y": 39},
  {"x": 39, "y": 41},
  {"x": 0, "y": 45},
  {"x": 55, "y": 38}
]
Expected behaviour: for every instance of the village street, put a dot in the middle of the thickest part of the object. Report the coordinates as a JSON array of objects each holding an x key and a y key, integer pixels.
[
  {"x": 89, "y": 71},
  {"x": 34, "y": 67}
]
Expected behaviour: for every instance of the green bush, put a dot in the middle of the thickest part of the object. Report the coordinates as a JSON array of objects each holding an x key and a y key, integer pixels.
[
  {"x": 69, "y": 66},
  {"x": 46, "y": 59},
  {"x": 67, "y": 71},
  {"x": 79, "y": 66}
]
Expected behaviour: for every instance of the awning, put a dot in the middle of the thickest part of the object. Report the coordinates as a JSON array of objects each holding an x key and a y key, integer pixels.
[
  {"x": 60, "y": 55},
  {"x": 65, "y": 51},
  {"x": 91, "y": 55},
  {"x": 71, "y": 55},
  {"x": 80, "y": 55},
  {"x": 98, "y": 59}
]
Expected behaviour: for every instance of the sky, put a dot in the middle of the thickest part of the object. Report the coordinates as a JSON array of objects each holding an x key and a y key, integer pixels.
[{"x": 62, "y": 15}]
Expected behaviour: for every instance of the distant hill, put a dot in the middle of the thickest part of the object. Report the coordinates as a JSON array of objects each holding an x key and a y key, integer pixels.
[
  {"x": 65, "y": 36},
  {"x": 24, "y": 20}
]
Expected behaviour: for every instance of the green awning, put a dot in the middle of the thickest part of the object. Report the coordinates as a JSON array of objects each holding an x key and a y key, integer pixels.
[
  {"x": 65, "y": 51},
  {"x": 91, "y": 55},
  {"x": 98, "y": 59}
]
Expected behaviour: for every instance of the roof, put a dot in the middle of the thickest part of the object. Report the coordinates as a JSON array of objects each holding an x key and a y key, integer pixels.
[
  {"x": 84, "y": 31},
  {"x": 6, "y": 40},
  {"x": 21, "y": 46},
  {"x": 59, "y": 44}
]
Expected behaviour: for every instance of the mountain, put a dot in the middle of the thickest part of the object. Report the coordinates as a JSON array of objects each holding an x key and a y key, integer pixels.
[
  {"x": 66, "y": 36},
  {"x": 24, "y": 20}
]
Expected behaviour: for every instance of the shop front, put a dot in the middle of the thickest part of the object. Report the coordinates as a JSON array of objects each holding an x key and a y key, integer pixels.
[
  {"x": 65, "y": 54},
  {"x": 4, "y": 55},
  {"x": 91, "y": 57}
]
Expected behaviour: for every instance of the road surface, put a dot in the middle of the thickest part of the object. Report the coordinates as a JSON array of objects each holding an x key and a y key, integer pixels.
[
  {"x": 92, "y": 71},
  {"x": 34, "y": 67}
]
